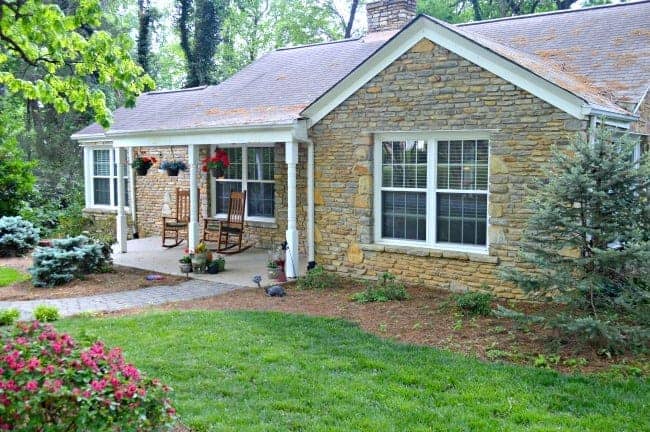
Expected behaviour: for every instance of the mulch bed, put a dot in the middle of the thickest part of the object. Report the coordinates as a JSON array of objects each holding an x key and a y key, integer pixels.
[
  {"x": 427, "y": 318},
  {"x": 120, "y": 279}
]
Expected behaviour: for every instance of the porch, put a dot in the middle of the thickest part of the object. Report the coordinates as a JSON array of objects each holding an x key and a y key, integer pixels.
[
  {"x": 148, "y": 254},
  {"x": 288, "y": 136}
]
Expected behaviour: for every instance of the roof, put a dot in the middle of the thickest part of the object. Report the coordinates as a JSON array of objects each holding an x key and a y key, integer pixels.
[
  {"x": 600, "y": 54},
  {"x": 608, "y": 46},
  {"x": 273, "y": 89}
]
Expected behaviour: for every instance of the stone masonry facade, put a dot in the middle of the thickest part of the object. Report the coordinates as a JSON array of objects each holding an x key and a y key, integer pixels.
[{"x": 431, "y": 89}]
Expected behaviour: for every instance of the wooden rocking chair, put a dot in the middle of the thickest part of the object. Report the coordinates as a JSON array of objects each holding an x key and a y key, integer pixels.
[
  {"x": 172, "y": 226},
  {"x": 231, "y": 231}
]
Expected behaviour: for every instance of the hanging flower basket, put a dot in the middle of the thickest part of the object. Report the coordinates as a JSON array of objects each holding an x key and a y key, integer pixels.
[
  {"x": 173, "y": 167},
  {"x": 216, "y": 163},
  {"x": 141, "y": 164},
  {"x": 217, "y": 172}
]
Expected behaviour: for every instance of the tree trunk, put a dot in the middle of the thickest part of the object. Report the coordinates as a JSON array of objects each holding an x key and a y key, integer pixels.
[{"x": 353, "y": 12}]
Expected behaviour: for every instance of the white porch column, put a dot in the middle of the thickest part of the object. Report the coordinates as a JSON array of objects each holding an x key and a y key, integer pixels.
[
  {"x": 122, "y": 227},
  {"x": 291, "y": 157},
  {"x": 310, "y": 204},
  {"x": 193, "y": 227}
]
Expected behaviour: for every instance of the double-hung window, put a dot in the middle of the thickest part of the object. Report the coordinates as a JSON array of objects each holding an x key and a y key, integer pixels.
[
  {"x": 101, "y": 183},
  {"x": 432, "y": 191},
  {"x": 252, "y": 169}
]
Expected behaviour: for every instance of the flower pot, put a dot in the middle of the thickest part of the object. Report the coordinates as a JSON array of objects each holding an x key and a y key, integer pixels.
[
  {"x": 274, "y": 272},
  {"x": 141, "y": 171},
  {"x": 172, "y": 172},
  {"x": 199, "y": 263},
  {"x": 213, "y": 268},
  {"x": 221, "y": 264},
  {"x": 186, "y": 268},
  {"x": 217, "y": 172}
]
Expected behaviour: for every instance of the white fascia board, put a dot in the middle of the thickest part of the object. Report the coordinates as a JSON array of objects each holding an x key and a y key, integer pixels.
[
  {"x": 473, "y": 52},
  {"x": 239, "y": 135}
]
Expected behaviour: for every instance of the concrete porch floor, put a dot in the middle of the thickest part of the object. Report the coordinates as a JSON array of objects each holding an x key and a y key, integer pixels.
[{"x": 148, "y": 254}]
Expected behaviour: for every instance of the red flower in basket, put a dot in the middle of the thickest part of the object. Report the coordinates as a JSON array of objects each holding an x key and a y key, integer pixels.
[{"x": 216, "y": 163}]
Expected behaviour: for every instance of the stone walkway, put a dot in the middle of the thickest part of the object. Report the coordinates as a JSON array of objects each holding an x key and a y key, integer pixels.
[{"x": 190, "y": 290}]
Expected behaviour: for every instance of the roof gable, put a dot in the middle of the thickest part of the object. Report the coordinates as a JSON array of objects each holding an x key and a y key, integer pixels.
[{"x": 540, "y": 78}]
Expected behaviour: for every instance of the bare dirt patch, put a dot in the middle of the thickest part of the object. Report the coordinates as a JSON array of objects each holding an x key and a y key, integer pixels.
[
  {"x": 120, "y": 279},
  {"x": 430, "y": 318}
]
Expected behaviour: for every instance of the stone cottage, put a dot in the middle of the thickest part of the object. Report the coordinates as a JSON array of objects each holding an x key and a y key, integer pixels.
[{"x": 406, "y": 150}]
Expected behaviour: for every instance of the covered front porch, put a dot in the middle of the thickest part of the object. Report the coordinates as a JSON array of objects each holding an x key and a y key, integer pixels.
[
  {"x": 148, "y": 254},
  {"x": 284, "y": 138}
]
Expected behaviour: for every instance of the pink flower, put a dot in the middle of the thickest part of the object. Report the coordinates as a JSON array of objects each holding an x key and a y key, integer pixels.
[
  {"x": 98, "y": 385},
  {"x": 33, "y": 363},
  {"x": 130, "y": 371},
  {"x": 32, "y": 386}
]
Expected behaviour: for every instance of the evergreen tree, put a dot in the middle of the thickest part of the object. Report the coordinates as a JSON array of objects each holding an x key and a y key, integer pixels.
[{"x": 588, "y": 240}]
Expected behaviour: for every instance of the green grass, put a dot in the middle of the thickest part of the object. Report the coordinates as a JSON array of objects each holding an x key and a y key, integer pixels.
[
  {"x": 253, "y": 371},
  {"x": 9, "y": 276}
]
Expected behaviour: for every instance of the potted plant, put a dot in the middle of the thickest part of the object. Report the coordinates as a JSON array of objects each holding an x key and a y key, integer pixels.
[
  {"x": 141, "y": 164},
  {"x": 221, "y": 263},
  {"x": 173, "y": 167},
  {"x": 186, "y": 264},
  {"x": 216, "y": 163},
  {"x": 202, "y": 256},
  {"x": 273, "y": 269}
]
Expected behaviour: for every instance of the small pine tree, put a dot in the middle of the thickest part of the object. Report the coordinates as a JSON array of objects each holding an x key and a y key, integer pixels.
[{"x": 588, "y": 240}]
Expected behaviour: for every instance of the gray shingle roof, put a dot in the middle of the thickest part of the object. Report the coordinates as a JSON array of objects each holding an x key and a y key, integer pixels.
[
  {"x": 600, "y": 54},
  {"x": 608, "y": 46},
  {"x": 273, "y": 89}
]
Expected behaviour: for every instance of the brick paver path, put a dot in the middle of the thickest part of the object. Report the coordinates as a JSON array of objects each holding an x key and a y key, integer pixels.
[{"x": 192, "y": 289}]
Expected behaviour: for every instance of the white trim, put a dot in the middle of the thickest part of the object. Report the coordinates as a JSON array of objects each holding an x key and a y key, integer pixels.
[
  {"x": 244, "y": 182},
  {"x": 431, "y": 190},
  {"x": 426, "y": 28},
  {"x": 89, "y": 162},
  {"x": 201, "y": 136}
]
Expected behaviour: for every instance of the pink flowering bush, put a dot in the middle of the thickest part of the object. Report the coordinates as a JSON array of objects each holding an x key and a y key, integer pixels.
[{"x": 49, "y": 383}]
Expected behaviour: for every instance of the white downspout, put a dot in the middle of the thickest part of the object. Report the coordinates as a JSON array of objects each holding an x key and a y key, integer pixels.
[
  {"x": 592, "y": 130},
  {"x": 311, "y": 260}
]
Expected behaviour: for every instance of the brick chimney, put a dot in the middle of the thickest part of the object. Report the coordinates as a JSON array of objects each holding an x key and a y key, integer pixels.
[{"x": 386, "y": 15}]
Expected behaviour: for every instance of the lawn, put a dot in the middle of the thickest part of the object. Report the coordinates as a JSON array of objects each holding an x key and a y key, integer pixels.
[
  {"x": 10, "y": 276},
  {"x": 260, "y": 371}
]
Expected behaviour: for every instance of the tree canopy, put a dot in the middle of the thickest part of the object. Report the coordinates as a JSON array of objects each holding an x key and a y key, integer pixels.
[{"x": 57, "y": 55}]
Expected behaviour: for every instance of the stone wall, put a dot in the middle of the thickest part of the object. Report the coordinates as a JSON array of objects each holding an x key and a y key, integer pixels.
[{"x": 431, "y": 89}]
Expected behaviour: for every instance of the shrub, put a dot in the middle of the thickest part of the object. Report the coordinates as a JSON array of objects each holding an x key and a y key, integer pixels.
[
  {"x": 16, "y": 176},
  {"x": 318, "y": 278},
  {"x": 17, "y": 236},
  {"x": 475, "y": 303},
  {"x": 66, "y": 259},
  {"x": 8, "y": 316},
  {"x": 587, "y": 242},
  {"x": 383, "y": 290},
  {"x": 46, "y": 313},
  {"x": 51, "y": 383}
]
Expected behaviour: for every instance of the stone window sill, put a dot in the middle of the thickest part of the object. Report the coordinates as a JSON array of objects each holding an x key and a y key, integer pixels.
[{"x": 435, "y": 253}]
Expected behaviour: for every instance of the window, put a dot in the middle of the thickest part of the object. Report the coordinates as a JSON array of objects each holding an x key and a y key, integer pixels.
[
  {"x": 432, "y": 192},
  {"x": 251, "y": 169},
  {"x": 102, "y": 180}
]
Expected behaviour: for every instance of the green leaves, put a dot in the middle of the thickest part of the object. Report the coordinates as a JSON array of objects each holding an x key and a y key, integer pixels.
[{"x": 64, "y": 55}]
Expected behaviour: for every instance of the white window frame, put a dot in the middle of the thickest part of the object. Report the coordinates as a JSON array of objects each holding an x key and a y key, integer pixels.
[
  {"x": 89, "y": 176},
  {"x": 432, "y": 139},
  {"x": 244, "y": 182}
]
